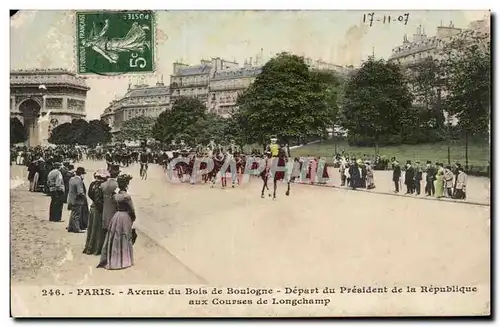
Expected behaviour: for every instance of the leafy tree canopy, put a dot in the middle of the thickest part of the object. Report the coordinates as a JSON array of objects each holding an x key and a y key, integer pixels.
[
  {"x": 79, "y": 131},
  {"x": 98, "y": 132},
  {"x": 181, "y": 122},
  {"x": 425, "y": 79},
  {"x": 377, "y": 101},
  {"x": 17, "y": 131},
  {"x": 467, "y": 66},
  {"x": 137, "y": 128},
  {"x": 285, "y": 100}
]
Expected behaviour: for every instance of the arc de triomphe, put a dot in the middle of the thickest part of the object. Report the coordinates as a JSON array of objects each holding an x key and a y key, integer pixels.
[{"x": 35, "y": 93}]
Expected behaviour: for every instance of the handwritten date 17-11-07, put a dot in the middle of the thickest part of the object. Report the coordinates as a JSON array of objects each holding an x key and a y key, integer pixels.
[{"x": 371, "y": 18}]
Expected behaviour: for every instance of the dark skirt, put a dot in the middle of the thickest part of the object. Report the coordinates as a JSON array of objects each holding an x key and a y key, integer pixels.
[
  {"x": 95, "y": 233},
  {"x": 117, "y": 251}
]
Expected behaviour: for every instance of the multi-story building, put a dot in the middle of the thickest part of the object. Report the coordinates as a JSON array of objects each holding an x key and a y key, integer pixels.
[
  {"x": 193, "y": 81},
  {"x": 319, "y": 64},
  {"x": 140, "y": 100},
  {"x": 217, "y": 83},
  {"x": 423, "y": 46},
  {"x": 45, "y": 98},
  {"x": 227, "y": 84}
]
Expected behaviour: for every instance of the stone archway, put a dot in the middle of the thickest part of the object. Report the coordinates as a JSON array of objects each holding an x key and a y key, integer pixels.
[{"x": 30, "y": 110}]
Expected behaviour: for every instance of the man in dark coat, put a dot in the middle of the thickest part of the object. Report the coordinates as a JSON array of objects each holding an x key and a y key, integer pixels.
[
  {"x": 430, "y": 176},
  {"x": 409, "y": 176},
  {"x": 396, "y": 175},
  {"x": 456, "y": 171},
  {"x": 77, "y": 203},
  {"x": 67, "y": 174},
  {"x": 355, "y": 176},
  {"x": 418, "y": 178},
  {"x": 56, "y": 189}
]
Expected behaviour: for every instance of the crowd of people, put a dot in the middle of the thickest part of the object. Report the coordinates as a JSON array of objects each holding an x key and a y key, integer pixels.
[
  {"x": 440, "y": 180},
  {"x": 108, "y": 221}
]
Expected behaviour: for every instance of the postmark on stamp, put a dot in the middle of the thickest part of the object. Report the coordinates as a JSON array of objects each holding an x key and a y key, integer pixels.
[{"x": 115, "y": 42}]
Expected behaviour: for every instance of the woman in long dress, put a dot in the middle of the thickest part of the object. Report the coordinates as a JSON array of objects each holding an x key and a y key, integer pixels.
[
  {"x": 95, "y": 232},
  {"x": 439, "y": 184},
  {"x": 117, "y": 251}
]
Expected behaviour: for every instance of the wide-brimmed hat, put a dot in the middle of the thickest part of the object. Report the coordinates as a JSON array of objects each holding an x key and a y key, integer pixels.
[
  {"x": 124, "y": 178},
  {"x": 114, "y": 167},
  {"x": 57, "y": 164},
  {"x": 81, "y": 171}
]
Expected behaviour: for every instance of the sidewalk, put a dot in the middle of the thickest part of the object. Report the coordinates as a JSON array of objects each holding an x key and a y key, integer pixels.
[{"x": 43, "y": 253}]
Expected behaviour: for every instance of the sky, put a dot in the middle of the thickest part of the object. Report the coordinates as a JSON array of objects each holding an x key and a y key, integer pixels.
[{"x": 45, "y": 39}]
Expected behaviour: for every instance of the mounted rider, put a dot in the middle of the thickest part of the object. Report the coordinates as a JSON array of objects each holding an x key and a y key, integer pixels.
[{"x": 273, "y": 147}]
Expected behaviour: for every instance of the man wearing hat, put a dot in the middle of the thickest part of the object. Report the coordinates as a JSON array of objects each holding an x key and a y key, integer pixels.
[
  {"x": 430, "y": 177},
  {"x": 409, "y": 175},
  {"x": 273, "y": 147},
  {"x": 56, "y": 191},
  {"x": 77, "y": 203},
  {"x": 396, "y": 175},
  {"x": 417, "y": 178},
  {"x": 108, "y": 190}
]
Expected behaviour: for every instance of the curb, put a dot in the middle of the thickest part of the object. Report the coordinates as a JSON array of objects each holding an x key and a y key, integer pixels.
[{"x": 400, "y": 195}]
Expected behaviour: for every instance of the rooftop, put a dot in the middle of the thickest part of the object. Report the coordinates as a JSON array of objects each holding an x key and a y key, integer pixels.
[
  {"x": 195, "y": 70},
  {"x": 52, "y": 76},
  {"x": 147, "y": 91},
  {"x": 237, "y": 73}
]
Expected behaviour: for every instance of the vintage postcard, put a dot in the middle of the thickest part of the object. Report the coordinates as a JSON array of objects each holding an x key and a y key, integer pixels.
[{"x": 250, "y": 163}]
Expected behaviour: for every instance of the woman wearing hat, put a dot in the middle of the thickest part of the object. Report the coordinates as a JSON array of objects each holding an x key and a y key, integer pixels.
[
  {"x": 95, "y": 232},
  {"x": 117, "y": 251}
]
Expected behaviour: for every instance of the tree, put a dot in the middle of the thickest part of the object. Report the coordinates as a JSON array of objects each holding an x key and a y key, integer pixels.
[
  {"x": 62, "y": 134},
  {"x": 425, "y": 81},
  {"x": 285, "y": 100},
  {"x": 467, "y": 65},
  {"x": 235, "y": 128},
  {"x": 17, "y": 131},
  {"x": 79, "y": 131},
  {"x": 376, "y": 103},
  {"x": 331, "y": 84},
  {"x": 138, "y": 128},
  {"x": 181, "y": 122},
  {"x": 212, "y": 126},
  {"x": 98, "y": 132}
]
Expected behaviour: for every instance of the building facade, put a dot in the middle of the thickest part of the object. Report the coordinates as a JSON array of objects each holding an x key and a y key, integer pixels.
[
  {"x": 140, "y": 100},
  {"x": 193, "y": 81},
  {"x": 217, "y": 83},
  {"x": 422, "y": 46},
  {"x": 45, "y": 98},
  {"x": 226, "y": 85},
  {"x": 319, "y": 64}
]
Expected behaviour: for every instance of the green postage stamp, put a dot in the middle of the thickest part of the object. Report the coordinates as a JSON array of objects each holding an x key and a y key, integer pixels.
[{"x": 115, "y": 42}]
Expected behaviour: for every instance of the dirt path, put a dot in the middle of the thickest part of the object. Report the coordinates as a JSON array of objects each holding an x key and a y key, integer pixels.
[{"x": 43, "y": 253}]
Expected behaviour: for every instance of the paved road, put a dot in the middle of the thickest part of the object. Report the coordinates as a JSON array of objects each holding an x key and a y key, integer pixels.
[{"x": 315, "y": 236}]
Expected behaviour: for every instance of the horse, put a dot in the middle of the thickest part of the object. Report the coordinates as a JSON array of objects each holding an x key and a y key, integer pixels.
[
  {"x": 281, "y": 161},
  {"x": 212, "y": 175}
]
